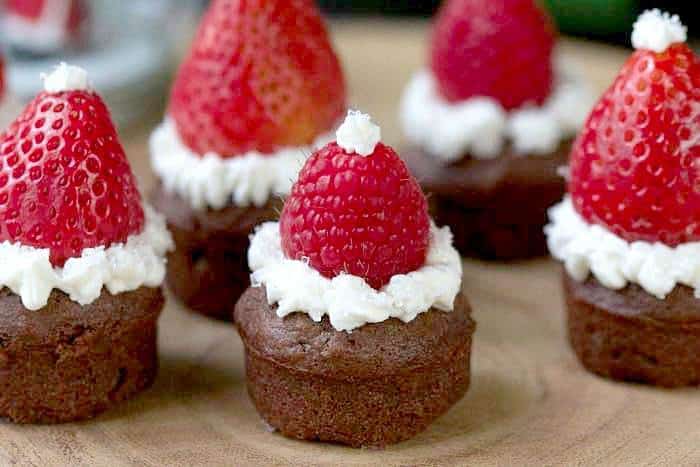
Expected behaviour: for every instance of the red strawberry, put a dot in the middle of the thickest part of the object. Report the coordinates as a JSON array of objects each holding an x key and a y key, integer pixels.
[
  {"x": 261, "y": 74},
  {"x": 635, "y": 167},
  {"x": 65, "y": 183},
  {"x": 365, "y": 216},
  {"x": 494, "y": 48}
]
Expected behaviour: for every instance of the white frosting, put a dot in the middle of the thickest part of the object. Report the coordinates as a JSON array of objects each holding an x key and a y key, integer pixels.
[
  {"x": 27, "y": 271},
  {"x": 66, "y": 78},
  {"x": 481, "y": 127},
  {"x": 358, "y": 134},
  {"x": 212, "y": 181},
  {"x": 588, "y": 248},
  {"x": 656, "y": 30},
  {"x": 348, "y": 300}
]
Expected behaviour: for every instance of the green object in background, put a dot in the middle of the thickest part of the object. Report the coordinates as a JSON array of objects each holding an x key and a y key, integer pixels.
[{"x": 594, "y": 17}]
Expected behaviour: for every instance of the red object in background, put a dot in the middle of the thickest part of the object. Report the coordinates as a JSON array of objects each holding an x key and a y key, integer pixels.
[
  {"x": 261, "y": 75},
  {"x": 65, "y": 182},
  {"x": 493, "y": 48},
  {"x": 44, "y": 26},
  {"x": 635, "y": 168},
  {"x": 365, "y": 216}
]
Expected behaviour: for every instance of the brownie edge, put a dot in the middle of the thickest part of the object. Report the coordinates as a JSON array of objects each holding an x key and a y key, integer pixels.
[
  {"x": 67, "y": 362},
  {"x": 630, "y": 335},
  {"x": 380, "y": 384}
]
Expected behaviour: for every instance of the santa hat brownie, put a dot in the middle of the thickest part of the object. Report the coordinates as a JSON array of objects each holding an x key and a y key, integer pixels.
[
  {"x": 356, "y": 269},
  {"x": 43, "y": 26},
  {"x": 633, "y": 216},
  {"x": 490, "y": 119},
  {"x": 81, "y": 260},
  {"x": 260, "y": 90}
]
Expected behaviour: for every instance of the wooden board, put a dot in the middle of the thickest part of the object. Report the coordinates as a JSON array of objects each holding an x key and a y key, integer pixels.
[{"x": 530, "y": 402}]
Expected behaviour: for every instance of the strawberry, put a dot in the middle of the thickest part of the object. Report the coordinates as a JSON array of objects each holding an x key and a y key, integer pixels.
[
  {"x": 360, "y": 213},
  {"x": 635, "y": 167},
  {"x": 261, "y": 74},
  {"x": 494, "y": 48},
  {"x": 65, "y": 183}
]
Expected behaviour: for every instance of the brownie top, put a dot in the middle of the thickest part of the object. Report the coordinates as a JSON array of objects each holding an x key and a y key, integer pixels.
[
  {"x": 478, "y": 178},
  {"x": 62, "y": 316},
  {"x": 373, "y": 350},
  {"x": 680, "y": 306}
]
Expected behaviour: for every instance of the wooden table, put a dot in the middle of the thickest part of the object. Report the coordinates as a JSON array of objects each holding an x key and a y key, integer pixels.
[{"x": 530, "y": 402}]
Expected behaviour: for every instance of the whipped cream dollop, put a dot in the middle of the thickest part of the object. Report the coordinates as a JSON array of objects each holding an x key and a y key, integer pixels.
[
  {"x": 589, "y": 248},
  {"x": 348, "y": 300},
  {"x": 213, "y": 181},
  {"x": 66, "y": 78},
  {"x": 656, "y": 30},
  {"x": 481, "y": 127},
  {"x": 358, "y": 134},
  {"x": 27, "y": 271}
]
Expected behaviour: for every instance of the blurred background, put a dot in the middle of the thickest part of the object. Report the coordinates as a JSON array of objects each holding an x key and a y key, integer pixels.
[
  {"x": 132, "y": 47},
  {"x": 609, "y": 20}
]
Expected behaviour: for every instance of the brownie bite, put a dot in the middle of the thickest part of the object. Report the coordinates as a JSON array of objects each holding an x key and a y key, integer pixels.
[
  {"x": 82, "y": 260},
  {"x": 628, "y": 232},
  {"x": 381, "y": 384},
  {"x": 630, "y": 335},
  {"x": 489, "y": 130},
  {"x": 355, "y": 328},
  {"x": 69, "y": 362},
  {"x": 235, "y": 136}
]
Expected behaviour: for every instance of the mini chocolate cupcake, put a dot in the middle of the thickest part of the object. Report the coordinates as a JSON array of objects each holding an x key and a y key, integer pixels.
[
  {"x": 259, "y": 91},
  {"x": 490, "y": 124},
  {"x": 81, "y": 261},
  {"x": 355, "y": 329},
  {"x": 66, "y": 361},
  {"x": 629, "y": 232}
]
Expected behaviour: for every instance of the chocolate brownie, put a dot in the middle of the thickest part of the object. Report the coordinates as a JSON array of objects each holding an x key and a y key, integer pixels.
[
  {"x": 67, "y": 362},
  {"x": 630, "y": 335},
  {"x": 208, "y": 270},
  {"x": 496, "y": 208},
  {"x": 377, "y": 385}
]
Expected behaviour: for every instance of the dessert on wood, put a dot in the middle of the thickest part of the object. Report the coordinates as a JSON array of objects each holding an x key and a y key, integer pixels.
[
  {"x": 628, "y": 232},
  {"x": 355, "y": 328},
  {"x": 82, "y": 260}
]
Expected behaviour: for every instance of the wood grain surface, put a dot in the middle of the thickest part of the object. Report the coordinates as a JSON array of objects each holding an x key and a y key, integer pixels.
[{"x": 530, "y": 402}]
